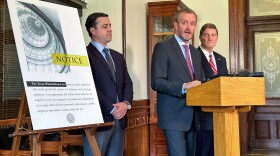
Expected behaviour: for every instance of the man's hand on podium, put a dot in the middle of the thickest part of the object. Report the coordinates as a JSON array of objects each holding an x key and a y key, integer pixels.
[{"x": 191, "y": 84}]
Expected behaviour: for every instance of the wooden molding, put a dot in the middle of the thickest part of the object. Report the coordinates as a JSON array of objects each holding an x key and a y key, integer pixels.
[
  {"x": 137, "y": 132},
  {"x": 79, "y": 4},
  {"x": 76, "y": 3},
  {"x": 237, "y": 35},
  {"x": 264, "y": 20},
  {"x": 139, "y": 114},
  {"x": 238, "y": 57},
  {"x": 124, "y": 27}
]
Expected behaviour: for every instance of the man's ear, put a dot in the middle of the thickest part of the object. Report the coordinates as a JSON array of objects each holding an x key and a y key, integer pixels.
[
  {"x": 175, "y": 25},
  {"x": 92, "y": 30}
]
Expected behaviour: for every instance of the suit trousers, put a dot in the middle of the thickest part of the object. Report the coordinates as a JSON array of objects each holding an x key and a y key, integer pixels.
[
  {"x": 180, "y": 143},
  {"x": 110, "y": 142},
  {"x": 205, "y": 143}
]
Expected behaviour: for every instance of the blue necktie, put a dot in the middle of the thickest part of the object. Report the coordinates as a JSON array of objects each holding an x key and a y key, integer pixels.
[{"x": 110, "y": 63}]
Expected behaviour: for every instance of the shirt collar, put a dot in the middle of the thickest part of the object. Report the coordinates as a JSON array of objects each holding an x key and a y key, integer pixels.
[
  {"x": 206, "y": 53},
  {"x": 180, "y": 41},
  {"x": 99, "y": 46}
]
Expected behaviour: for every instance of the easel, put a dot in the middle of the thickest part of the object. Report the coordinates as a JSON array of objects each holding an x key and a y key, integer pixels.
[{"x": 37, "y": 135}]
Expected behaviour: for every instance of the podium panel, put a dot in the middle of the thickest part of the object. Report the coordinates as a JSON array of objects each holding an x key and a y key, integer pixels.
[
  {"x": 225, "y": 97},
  {"x": 228, "y": 91}
]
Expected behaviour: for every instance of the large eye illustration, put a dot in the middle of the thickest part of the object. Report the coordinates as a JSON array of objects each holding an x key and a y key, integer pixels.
[{"x": 40, "y": 38}]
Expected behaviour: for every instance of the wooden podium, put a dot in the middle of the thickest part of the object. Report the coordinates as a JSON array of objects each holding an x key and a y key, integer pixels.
[{"x": 225, "y": 97}]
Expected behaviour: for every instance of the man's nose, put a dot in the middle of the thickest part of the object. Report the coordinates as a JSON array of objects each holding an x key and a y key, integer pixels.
[{"x": 109, "y": 28}]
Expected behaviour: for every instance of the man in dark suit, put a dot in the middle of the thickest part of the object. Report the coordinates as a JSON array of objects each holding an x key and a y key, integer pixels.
[
  {"x": 113, "y": 86},
  {"x": 176, "y": 66},
  {"x": 213, "y": 65}
]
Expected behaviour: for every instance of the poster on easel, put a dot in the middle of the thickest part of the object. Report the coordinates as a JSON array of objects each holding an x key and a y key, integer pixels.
[{"x": 54, "y": 64}]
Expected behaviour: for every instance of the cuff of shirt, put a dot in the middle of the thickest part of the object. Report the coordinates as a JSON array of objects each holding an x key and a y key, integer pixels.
[
  {"x": 183, "y": 90},
  {"x": 112, "y": 110}
]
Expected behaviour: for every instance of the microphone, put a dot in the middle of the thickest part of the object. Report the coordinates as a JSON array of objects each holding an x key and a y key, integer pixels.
[{"x": 247, "y": 73}]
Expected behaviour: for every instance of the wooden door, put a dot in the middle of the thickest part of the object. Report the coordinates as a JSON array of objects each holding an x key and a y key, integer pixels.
[
  {"x": 264, "y": 55},
  {"x": 260, "y": 128}
]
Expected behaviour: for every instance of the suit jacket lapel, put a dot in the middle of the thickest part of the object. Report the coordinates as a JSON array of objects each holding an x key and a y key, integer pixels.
[
  {"x": 97, "y": 54},
  {"x": 116, "y": 62},
  {"x": 205, "y": 62},
  {"x": 180, "y": 55},
  {"x": 194, "y": 60},
  {"x": 218, "y": 62}
]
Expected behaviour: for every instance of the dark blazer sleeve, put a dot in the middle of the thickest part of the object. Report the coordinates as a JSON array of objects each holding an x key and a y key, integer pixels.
[
  {"x": 107, "y": 89},
  {"x": 221, "y": 64},
  {"x": 169, "y": 71},
  {"x": 101, "y": 80},
  {"x": 124, "y": 82},
  {"x": 205, "y": 119},
  {"x": 160, "y": 70}
]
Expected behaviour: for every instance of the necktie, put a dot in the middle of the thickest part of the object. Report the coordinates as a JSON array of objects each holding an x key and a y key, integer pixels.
[
  {"x": 211, "y": 62},
  {"x": 188, "y": 59},
  {"x": 110, "y": 63}
]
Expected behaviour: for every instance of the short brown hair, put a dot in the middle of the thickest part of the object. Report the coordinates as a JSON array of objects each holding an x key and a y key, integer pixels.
[
  {"x": 207, "y": 25},
  {"x": 185, "y": 10}
]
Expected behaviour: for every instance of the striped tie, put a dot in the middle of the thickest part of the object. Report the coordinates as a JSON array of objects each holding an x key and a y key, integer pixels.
[
  {"x": 211, "y": 62},
  {"x": 110, "y": 63}
]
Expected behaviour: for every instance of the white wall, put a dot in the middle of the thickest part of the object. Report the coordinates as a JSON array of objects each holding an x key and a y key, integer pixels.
[
  {"x": 113, "y": 9},
  {"x": 215, "y": 12}
]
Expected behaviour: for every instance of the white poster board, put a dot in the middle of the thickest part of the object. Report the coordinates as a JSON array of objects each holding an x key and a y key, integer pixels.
[{"x": 54, "y": 64}]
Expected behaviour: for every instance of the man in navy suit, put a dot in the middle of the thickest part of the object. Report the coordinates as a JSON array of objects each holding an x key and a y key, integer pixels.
[
  {"x": 176, "y": 67},
  {"x": 208, "y": 37},
  {"x": 113, "y": 85}
]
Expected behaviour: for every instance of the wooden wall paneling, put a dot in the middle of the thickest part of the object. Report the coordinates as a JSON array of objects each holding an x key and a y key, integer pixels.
[
  {"x": 237, "y": 35},
  {"x": 264, "y": 124},
  {"x": 158, "y": 145},
  {"x": 263, "y": 121},
  {"x": 137, "y": 132},
  {"x": 238, "y": 57}
]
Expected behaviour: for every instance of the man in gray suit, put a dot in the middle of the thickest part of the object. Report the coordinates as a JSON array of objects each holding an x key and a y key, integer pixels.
[{"x": 176, "y": 67}]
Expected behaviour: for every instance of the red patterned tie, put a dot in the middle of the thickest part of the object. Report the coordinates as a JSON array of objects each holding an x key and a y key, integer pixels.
[
  {"x": 188, "y": 59},
  {"x": 211, "y": 62}
]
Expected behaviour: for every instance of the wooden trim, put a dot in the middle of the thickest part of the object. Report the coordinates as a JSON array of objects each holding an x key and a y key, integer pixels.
[
  {"x": 237, "y": 35},
  {"x": 79, "y": 4},
  {"x": 140, "y": 103},
  {"x": 14, "y": 121},
  {"x": 20, "y": 153},
  {"x": 76, "y": 3},
  {"x": 137, "y": 132},
  {"x": 139, "y": 114},
  {"x": 239, "y": 57},
  {"x": 124, "y": 28},
  {"x": 265, "y": 20}
]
